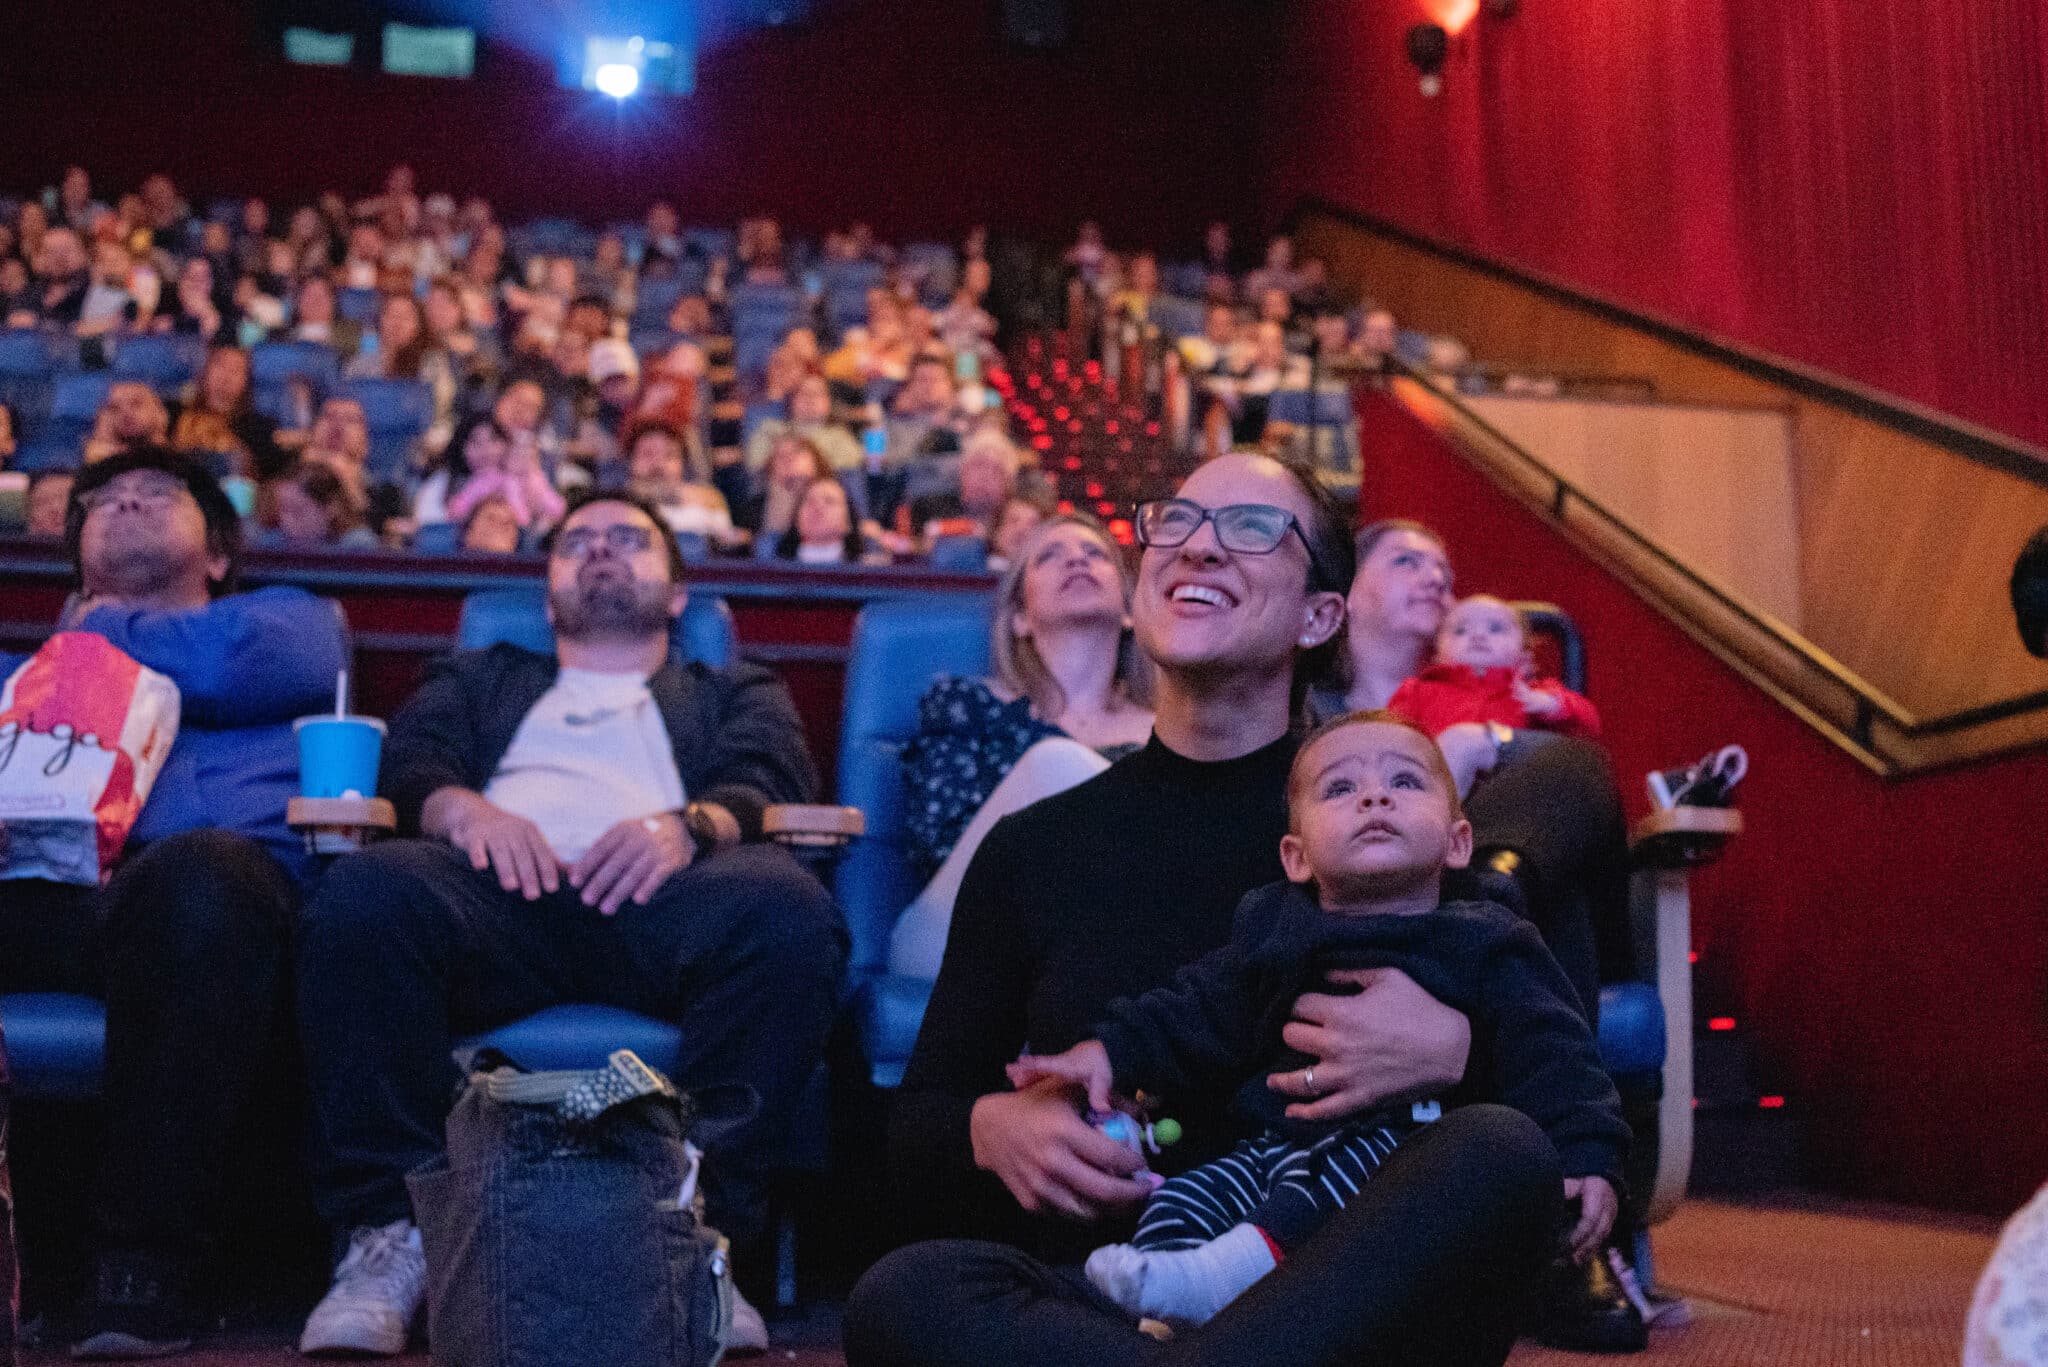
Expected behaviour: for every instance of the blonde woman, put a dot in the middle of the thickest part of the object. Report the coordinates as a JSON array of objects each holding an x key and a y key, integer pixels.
[{"x": 1070, "y": 694}]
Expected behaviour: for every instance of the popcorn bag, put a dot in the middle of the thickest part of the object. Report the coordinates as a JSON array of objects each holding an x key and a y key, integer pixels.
[{"x": 84, "y": 730}]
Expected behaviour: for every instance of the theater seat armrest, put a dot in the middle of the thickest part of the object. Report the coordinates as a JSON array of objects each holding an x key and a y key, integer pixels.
[
  {"x": 812, "y": 824},
  {"x": 1683, "y": 837}
]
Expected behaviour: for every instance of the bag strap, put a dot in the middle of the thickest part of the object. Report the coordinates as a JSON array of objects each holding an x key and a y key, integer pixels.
[{"x": 579, "y": 1097}]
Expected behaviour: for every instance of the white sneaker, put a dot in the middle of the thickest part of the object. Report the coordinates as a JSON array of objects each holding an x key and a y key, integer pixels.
[
  {"x": 749, "y": 1332},
  {"x": 375, "y": 1297}
]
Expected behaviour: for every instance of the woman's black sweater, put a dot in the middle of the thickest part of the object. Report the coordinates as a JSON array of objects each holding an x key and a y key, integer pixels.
[{"x": 1103, "y": 891}]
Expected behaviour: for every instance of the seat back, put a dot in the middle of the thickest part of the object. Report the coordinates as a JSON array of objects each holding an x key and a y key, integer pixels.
[
  {"x": 164, "y": 361},
  {"x": 398, "y": 413},
  {"x": 272, "y": 365},
  {"x": 357, "y": 304},
  {"x": 518, "y": 616},
  {"x": 1553, "y": 622},
  {"x": 899, "y": 647}
]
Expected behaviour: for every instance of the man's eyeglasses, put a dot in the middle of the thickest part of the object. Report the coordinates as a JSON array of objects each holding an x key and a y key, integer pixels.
[
  {"x": 622, "y": 538},
  {"x": 155, "y": 494},
  {"x": 1245, "y": 528}
]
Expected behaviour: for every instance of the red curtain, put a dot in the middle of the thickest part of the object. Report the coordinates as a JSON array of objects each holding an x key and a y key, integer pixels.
[{"x": 1861, "y": 185}]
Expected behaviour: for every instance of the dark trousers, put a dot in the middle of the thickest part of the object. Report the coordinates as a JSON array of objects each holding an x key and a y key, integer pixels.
[
  {"x": 1430, "y": 1263},
  {"x": 1553, "y": 802},
  {"x": 406, "y": 947},
  {"x": 190, "y": 948}
]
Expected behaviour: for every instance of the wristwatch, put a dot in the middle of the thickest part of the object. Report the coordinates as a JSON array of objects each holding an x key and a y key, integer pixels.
[
  {"x": 1503, "y": 735},
  {"x": 697, "y": 821}
]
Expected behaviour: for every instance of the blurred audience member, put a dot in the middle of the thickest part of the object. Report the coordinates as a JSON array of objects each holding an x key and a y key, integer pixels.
[
  {"x": 216, "y": 417},
  {"x": 49, "y": 494},
  {"x": 491, "y": 528},
  {"x": 824, "y": 532},
  {"x": 309, "y": 508},
  {"x": 130, "y": 416},
  {"x": 810, "y": 417}
]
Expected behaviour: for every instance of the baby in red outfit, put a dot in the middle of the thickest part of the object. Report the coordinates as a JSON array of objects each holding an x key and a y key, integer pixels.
[{"x": 1482, "y": 674}]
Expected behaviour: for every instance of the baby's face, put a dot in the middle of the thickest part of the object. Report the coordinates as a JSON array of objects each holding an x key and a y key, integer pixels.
[
  {"x": 1483, "y": 633},
  {"x": 1372, "y": 817}
]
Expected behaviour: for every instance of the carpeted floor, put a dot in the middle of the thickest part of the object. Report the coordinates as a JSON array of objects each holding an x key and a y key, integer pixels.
[{"x": 1814, "y": 1285}]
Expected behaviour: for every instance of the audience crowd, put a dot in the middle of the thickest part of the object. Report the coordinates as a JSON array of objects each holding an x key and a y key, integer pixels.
[
  {"x": 459, "y": 377},
  {"x": 405, "y": 371}
]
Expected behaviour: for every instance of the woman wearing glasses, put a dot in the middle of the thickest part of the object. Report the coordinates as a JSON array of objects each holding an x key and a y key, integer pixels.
[{"x": 1107, "y": 890}]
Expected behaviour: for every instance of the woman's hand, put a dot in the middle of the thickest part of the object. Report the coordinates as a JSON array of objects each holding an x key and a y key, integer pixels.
[
  {"x": 1049, "y": 1157},
  {"x": 1470, "y": 750},
  {"x": 1391, "y": 1040}
]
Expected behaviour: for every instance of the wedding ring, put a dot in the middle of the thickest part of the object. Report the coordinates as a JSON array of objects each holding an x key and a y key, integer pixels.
[{"x": 1308, "y": 1077}]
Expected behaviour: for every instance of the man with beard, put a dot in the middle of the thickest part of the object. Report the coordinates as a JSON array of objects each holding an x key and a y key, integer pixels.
[
  {"x": 586, "y": 829},
  {"x": 189, "y": 944}
]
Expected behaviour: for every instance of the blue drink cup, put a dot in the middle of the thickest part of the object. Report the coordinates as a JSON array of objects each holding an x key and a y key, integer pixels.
[{"x": 338, "y": 755}]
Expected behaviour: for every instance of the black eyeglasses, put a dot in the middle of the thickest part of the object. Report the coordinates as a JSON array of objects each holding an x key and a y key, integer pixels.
[
  {"x": 621, "y": 537},
  {"x": 1246, "y": 528}
]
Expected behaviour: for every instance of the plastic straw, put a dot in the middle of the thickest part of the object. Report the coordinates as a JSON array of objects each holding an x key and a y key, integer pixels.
[{"x": 341, "y": 694}]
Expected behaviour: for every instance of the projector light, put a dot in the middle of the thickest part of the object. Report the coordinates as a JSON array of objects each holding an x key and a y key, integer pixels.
[{"x": 617, "y": 79}]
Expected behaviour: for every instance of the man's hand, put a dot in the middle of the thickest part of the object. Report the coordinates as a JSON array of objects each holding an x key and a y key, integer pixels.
[
  {"x": 1049, "y": 1157},
  {"x": 632, "y": 859},
  {"x": 1597, "y": 1207},
  {"x": 1537, "y": 702},
  {"x": 1392, "y": 1040},
  {"x": 1469, "y": 749},
  {"x": 1087, "y": 1064},
  {"x": 493, "y": 838}
]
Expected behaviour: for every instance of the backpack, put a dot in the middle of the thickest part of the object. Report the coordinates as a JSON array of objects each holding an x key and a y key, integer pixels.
[{"x": 563, "y": 1226}]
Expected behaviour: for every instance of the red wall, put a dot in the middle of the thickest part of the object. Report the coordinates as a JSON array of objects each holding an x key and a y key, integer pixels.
[
  {"x": 1855, "y": 184},
  {"x": 1886, "y": 944},
  {"x": 917, "y": 117}
]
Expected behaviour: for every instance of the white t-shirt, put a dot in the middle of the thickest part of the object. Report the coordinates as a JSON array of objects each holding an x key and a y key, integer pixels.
[{"x": 591, "y": 753}]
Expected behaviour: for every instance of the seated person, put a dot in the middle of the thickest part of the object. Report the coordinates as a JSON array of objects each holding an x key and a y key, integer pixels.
[
  {"x": 1106, "y": 891},
  {"x": 308, "y": 508},
  {"x": 1014, "y": 522},
  {"x": 1070, "y": 693},
  {"x": 985, "y": 475},
  {"x": 340, "y": 440},
  {"x": 218, "y": 417},
  {"x": 1373, "y": 822},
  {"x": 7, "y": 442},
  {"x": 1547, "y": 825},
  {"x": 510, "y": 470},
  {"x": 810, "y": 417},
  {"x": 49, "y": 496},
  {"x": 793, "y": 466},
  {"x": 491, "y": 529},
  {"x": 656, "y": 471},
  {"x": 131, "y": 417},
  {"x": 585, "y": 828},
  {"x": 824, "y": 531},
  {"x": 1482, "y": 674},
  {"x": 189, "y": 944}
]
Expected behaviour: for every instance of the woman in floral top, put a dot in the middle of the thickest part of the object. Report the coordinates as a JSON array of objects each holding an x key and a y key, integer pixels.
[{"x": 1069, "y": 695}]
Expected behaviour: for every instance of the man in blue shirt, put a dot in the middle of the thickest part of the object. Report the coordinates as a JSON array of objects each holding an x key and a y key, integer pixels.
[{"x": 189, "y": 943}]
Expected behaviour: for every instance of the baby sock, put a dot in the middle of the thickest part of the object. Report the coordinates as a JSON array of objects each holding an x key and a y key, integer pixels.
[{"x": 1186, "y": 1285}]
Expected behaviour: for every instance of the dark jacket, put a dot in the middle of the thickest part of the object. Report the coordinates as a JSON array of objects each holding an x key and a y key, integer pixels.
[
  {"x": 738, "y": 741},
  {"x": 1220, "y": 1021}
]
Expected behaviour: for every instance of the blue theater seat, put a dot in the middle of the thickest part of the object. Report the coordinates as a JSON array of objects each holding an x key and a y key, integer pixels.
[
  {"x": 164, "y": 361},
  {"x": 898, "y": 649},
  {"x": 518, "y": 616},
  {"x": 272, "y": 365}
]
